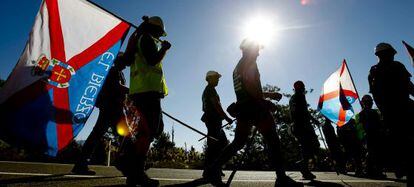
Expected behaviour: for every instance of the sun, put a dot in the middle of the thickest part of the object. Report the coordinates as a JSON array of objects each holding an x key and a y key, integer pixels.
[{"x": 261, "y": 29}]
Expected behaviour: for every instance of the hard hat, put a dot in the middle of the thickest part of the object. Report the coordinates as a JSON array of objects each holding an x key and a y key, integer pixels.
[
  {"x": 248, "y": 44},
  {"x": 384, "y": 47},
  {"x": 213, "y": 74},
  {"x": 157, "y": 21},
  {"x": 298, "y": 85}
]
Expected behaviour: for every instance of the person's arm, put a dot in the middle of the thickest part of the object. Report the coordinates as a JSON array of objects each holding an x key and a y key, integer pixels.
[
  {"x": 129, "y": 54},
  {"x": 272, "y": 95},
  {"x": 150, "y": 51},
  {"x": 219, "y": 109}
]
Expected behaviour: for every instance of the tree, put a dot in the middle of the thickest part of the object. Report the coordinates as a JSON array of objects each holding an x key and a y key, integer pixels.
[{"x": 257, "y": 158}]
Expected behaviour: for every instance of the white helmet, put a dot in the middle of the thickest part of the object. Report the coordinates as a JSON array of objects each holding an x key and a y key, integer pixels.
[
  {"x": 157, "y": 21},
  {"x": 384, "y": 47},
  {"x": 212, "y": 74}
]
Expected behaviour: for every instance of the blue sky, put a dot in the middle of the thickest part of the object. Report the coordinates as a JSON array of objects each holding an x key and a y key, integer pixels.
[{"x": 206, "y": 35}]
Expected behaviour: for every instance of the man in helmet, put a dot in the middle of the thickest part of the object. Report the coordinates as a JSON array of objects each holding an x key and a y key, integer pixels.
[
  {"x": 391, "y": 88},
  {"x": 302, "y": 128},
  {"x": 252, "y": 109},
  {"x": 374, "y": 133},
  {"x": 213, "y": 117},
  {"x": 144, "y": 53}
]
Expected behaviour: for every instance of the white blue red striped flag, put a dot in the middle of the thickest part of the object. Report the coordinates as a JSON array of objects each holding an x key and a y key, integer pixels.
[
  {"x": 53, "y": 88},
  {"x": 338, "y": 95}
]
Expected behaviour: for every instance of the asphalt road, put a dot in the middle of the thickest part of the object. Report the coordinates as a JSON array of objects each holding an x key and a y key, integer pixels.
[{"x": 48, "y": 174}]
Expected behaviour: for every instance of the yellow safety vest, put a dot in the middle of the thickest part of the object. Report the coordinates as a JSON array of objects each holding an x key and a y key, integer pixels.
[{"x": 144, "y": 77}]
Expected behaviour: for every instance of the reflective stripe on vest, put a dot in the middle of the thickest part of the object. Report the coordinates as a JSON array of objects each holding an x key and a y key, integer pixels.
[{"x": 144, "y": 77}]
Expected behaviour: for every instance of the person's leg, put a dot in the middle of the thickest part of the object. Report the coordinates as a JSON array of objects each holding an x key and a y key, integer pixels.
[
  {"x": 209, "y": 158},
  {"x": 267, "y": 128},
  {"x": 149, "y": 127},
  {"x": 307, "y": 153},
  {"x": 101, "y": 126},
  {"x": 242, "y": 132}
]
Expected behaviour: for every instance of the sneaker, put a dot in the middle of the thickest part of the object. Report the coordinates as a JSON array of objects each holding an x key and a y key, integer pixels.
[
  {"x": 144, "y": 180},
  {"x": 82, "y": 170},
  {"x": 286, "y": 181},
  {"x": 308, "y": 175}
]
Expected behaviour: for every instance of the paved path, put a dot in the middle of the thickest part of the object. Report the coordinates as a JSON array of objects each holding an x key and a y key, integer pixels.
[{"x": 50, "y": 174}]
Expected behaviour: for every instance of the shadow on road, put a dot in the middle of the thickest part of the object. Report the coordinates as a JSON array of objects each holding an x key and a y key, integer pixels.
[
  {"x": 387, "y": 178},
  {"x": 50, "y": 178},
  {"x": 317, "y": 183},
  {"x": 196, "y": 182}
]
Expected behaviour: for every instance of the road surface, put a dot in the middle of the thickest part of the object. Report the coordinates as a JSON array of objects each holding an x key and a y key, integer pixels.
[{"x": 51, "y": 174}]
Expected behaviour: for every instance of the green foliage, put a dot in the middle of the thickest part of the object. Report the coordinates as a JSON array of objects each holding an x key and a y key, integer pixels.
[
  {"x": 257, "y": 159},
  {"x": 164, "y": 154}
]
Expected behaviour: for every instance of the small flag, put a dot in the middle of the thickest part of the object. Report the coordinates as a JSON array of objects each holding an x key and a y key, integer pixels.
[
  {"x": 338, "y": 95},
  {"x": 410, "y": 51},
  {"x": 53, "y": 88}
]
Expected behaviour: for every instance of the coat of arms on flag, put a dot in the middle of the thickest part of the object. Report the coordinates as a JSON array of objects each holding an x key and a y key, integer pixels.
[
  {"x": 53, "y": 88},
  {"x": 338, "y": 94}
]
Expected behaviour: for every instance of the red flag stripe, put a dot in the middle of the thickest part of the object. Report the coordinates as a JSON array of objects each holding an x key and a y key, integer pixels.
[
  {"x": 99, "y": 47},
  {"x": 341, "y": 117},
  {"x": 63, "y": 117},
  {"x": 343, "y": 67},
  {"x": 335, "y": 94},
  {"x": 60, "y": 95},
  {"x": 57, "y": 47}
]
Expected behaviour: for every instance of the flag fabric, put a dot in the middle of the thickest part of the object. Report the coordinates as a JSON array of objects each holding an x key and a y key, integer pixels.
[
  {"x": 52, "y": 90},
  {"x": 410, "y": 51},
  {"x": 338, "y": 95}
]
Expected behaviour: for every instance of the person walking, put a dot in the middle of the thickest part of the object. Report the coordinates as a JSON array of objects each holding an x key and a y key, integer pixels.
[{"x": 213, "y": 117}]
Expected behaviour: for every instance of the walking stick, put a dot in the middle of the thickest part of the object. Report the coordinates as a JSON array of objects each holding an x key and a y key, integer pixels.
[
  {"x": 228, "y": 123},
  {"x": 188, "y": 126},
  {"x": 248, "y": 145}
]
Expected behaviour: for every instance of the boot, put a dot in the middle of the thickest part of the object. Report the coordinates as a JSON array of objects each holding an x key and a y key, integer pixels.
[
  {"x": 214, "y": 177},
  {"x": 82, "y": 170},
  {"x": 307, "y": 175}
]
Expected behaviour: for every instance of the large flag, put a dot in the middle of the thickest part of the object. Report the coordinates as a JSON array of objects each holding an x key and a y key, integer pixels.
[
  {"x": 338, "y": 94},
  {"x": 53, "y": 88},
  {"x": 410, "y": 51}
]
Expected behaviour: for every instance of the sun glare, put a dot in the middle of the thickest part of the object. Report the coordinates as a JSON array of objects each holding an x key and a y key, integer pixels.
[{"x": 261, "y": 29}]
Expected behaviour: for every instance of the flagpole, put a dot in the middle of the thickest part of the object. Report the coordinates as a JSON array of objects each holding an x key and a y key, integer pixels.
[
  {"x": 353, "y": 83},
  {"x": 409, "y": 48},
  {"x": 188, "y": 126},
  {"x": 113, "y": 14}
]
